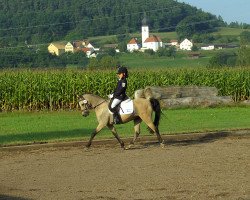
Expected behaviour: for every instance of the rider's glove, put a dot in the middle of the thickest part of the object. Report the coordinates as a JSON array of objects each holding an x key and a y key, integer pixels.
[{"x": 110, "y": 96}]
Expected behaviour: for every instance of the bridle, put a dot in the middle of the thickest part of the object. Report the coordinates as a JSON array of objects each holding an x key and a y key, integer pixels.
[
  {"x": 98, "y": 104},
  {"x": 89, "y": 106}
]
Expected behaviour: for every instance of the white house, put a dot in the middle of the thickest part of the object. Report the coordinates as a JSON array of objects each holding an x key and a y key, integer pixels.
[
  {"x": 186, "y": 45},
  {"x": 174, "y": 43},
  {"x": 153, "y": 42},
  {"x": 90, "y": 53},
  {"x": 88, "y": 45},
  {"x": 209, "y": 47},
  {"x": 69, "y": 47},
  {"x": 133, "y": 45}
]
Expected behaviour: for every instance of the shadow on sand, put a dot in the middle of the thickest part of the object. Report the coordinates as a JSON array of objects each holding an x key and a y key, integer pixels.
[
  {"x": 182, "y": 140},
  {"x": 42, "y": 137},
  {"x": 7, "y": 197}
]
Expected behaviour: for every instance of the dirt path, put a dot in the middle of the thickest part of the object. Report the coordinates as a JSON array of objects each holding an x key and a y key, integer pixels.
[{"x": 214, "y": 169}]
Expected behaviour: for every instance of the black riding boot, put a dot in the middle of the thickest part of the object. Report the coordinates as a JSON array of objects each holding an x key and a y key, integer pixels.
[{"x": 117, "y": 118}]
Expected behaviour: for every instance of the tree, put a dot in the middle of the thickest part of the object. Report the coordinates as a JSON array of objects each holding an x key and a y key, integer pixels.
[
  {"x": 111, "y": 51},
  {"x": 172, "y": 51},
  {"x": 243, "y": 58},
  {"x": 244, "y": 51},
  {"x": 203, "y": 38},
  {"x": 108, "y": 62},
  {"x": 44, "y": 21},
  {"x": 223, "y": 59},
  {"x": 162, "y": 52},
  {"x": 194, "y": 48},
  {"x": 198, "y": 23},
  {"x": 104, "y": 62},
  {"x": 149, "y": 52},
  {"x": 245, "y": 37},
  {"x": 93, "y": 63},
  {"x": 122, "y": 46}
]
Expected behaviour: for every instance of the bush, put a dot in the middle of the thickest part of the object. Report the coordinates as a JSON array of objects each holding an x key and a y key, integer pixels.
[
  {"x": 222, "y": 59},
  {"x": 103, "y": 62}
]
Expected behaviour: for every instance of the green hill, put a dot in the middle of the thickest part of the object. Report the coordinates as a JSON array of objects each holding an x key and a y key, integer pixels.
[{"x": 44, "y": 21}]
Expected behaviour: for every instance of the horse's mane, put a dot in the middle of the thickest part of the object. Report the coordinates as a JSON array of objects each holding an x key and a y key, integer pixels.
[{"x": 95, "y": 96}]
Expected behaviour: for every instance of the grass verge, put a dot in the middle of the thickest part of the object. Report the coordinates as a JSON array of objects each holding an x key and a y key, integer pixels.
[{"x": 38, "y": 127}]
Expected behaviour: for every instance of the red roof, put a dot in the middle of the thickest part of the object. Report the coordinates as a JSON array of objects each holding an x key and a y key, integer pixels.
[
  {"x": 85, "y": 50},
  {"x": 133, "y": 41},
  {"x": 153, "y": 39}
]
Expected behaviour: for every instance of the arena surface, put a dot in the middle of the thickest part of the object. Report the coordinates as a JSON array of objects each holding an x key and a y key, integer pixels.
[{"x": 208, "y": 169}]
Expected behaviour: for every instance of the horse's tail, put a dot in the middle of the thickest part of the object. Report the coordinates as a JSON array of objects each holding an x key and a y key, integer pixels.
[{"x": 157, "y": 109}]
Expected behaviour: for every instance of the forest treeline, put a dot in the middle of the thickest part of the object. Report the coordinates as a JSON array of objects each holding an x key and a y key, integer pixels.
[
  {"x": 44, "y": 21},
  {"x": 28, "y": 26}
]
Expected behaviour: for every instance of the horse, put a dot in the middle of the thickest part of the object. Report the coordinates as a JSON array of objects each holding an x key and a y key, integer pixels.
[{"x": 143, "y": 110}]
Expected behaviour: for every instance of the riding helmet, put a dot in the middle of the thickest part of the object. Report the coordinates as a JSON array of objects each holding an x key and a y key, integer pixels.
[{"x": 122, "y": 70}]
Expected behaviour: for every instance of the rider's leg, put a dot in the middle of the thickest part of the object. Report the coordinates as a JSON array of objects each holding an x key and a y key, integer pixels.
[{"x": 113, "y": 107}]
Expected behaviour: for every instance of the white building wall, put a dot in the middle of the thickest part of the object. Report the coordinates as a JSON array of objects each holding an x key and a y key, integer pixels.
[
  {"x": 186, "y": 45},
  {"x": 69, "y": 47},
  {"x": 90, "y": 46},
  {"x": 132, "y": 47},
  {"x": 153, "y": 45},
  {"x": 144, "y": 34},
  {"x": 211, "y": 47}
]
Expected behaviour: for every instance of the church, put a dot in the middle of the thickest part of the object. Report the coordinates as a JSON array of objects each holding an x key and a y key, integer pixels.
[{"x": 148, "y": 42}]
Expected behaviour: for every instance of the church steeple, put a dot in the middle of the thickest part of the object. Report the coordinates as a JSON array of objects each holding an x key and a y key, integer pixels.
[
  {"x": 144, "y": 21},
  {"x": 144, "y": 29}
]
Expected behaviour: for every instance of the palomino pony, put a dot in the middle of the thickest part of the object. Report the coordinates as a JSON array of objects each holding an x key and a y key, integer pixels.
[{"x": 143, "y": 109}]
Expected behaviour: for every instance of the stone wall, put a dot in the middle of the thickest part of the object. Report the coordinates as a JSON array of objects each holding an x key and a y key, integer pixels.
[{"x": 184, "y": 96}]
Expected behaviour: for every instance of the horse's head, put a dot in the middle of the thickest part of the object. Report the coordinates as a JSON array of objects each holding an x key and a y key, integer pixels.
[{"x": 85, "y": 105}]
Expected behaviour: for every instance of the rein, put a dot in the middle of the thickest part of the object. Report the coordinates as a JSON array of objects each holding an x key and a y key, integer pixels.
[{"x": 99, "y": 104}]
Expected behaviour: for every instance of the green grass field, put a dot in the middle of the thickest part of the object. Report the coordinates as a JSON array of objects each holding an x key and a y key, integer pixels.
[
  {"x": 141, "y": 61},
  {"x": 36, "y": 127},
  {"x": 229, "y": 31}
]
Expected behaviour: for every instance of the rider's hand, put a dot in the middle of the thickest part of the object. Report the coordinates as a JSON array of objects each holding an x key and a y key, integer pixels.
[{"x": 110, "y": 96}]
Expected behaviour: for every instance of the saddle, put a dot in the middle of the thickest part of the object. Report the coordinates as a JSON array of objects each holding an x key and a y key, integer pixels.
[{"x": 126, "y": 107}]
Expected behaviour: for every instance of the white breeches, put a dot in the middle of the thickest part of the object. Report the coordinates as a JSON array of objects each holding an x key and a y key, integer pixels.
[{"x": 115, "y": 103}]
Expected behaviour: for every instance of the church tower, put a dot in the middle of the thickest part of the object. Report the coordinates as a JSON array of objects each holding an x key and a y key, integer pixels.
[{"x": 144, "y": 30}]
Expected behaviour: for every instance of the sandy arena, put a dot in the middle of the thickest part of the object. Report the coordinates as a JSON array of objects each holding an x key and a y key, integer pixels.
[{"x": 209, "y": 169}]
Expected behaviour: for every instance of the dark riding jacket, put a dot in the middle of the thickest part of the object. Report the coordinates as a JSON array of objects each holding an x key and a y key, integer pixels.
[{"x": 120, "y": 90}]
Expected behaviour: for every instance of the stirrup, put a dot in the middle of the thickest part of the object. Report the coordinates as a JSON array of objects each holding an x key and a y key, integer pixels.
[{"x": 117, "y": 120}]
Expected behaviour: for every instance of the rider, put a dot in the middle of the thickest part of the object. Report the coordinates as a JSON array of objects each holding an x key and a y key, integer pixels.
[{"x": 119, "y": 93}]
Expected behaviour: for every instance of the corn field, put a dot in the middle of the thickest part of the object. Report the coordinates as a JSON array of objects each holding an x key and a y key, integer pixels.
[{"x": 58, "y": 89}]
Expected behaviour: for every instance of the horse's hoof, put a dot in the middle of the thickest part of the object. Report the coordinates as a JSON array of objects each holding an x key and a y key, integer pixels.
[
  {"x": 86, "y": 148},
  {"x": 130, "y": 146},
  {"x": 122, "y": 147},
  {"x": 127, "y": 148},
  {"x": 162, "y": 145}
]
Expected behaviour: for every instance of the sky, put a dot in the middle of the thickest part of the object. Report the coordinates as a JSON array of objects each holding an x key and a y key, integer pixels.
[{"x": 229, "y": 10}]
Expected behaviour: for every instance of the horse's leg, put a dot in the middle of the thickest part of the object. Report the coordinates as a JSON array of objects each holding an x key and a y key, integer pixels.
[
  {"x": 112, "y": 128},
  {"x": 137, "y": 123},
  {"x": 98, "y": 129},
  {"x": 156, "y": 130},
  {"x": 149, "y": 122}
]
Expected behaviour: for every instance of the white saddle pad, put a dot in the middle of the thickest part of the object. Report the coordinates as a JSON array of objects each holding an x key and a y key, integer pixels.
[{"x": 126, "y": 107}]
